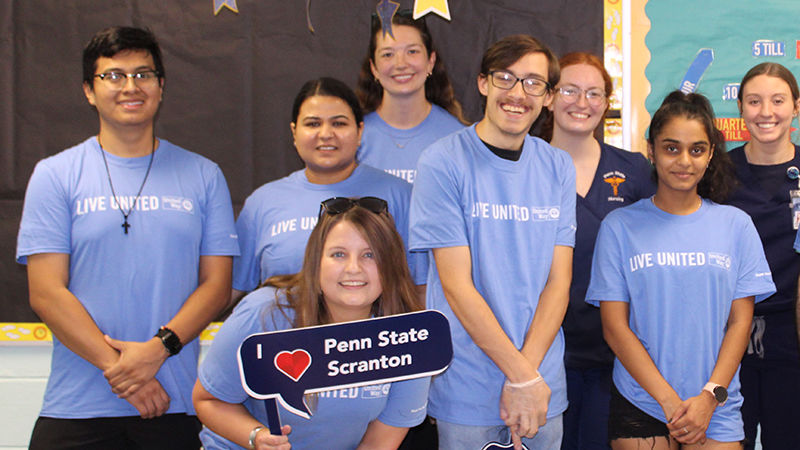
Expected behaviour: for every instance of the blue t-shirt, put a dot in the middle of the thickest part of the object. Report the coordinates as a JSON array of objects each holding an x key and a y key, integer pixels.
[
  {"x": 511, "y": 214},
  {"x": 277, "y": 219},
  {"x": 396, "y": 150},
  {"x": 680, "y": 275},
  {"x": 341, "y": 417},
  {"x": 621, "y": 179},
  {"x": 129, "y": 284}
]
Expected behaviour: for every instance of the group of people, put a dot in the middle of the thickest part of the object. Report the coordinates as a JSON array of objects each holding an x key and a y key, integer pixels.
[{"x": 132, "y": 249}]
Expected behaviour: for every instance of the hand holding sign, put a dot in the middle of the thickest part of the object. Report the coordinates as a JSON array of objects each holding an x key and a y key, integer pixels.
[{"x": 285, "y": 365}]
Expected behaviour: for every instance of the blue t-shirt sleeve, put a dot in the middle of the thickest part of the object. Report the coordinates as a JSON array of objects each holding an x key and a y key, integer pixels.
[
  {"x": 219, "y": 232},
  {"x": 437, "y": 218},
  {"x": 566, "y": 221},
  {"x": 407, "y": 403},
  {"x": 754, "y": 272},
  {"x": 399, "y": 207},
  {"x": 46, "y": 225},
  {"x": 219, "y": 371},
  {"x": 607, "y": 281},
  {"x": 246, "y": 267}
]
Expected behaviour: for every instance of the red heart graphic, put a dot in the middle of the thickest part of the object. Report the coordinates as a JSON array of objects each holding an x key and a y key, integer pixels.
[{"x": 293, "y": 364}]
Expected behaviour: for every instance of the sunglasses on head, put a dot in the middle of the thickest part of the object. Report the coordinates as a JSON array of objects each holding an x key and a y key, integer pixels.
[{"x": 339, "y": 205}]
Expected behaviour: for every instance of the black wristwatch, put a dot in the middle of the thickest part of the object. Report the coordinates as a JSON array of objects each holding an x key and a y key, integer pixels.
[
  {"x": 719, "y": 392},
  {"x": 170, "y": 340}
]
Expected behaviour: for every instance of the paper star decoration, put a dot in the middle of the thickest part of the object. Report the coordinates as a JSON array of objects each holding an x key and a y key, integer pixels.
[
  {"x": 386, "y": 10},
  {"x": 440, "y": 7},
  {"x": 230, "y": 4}
]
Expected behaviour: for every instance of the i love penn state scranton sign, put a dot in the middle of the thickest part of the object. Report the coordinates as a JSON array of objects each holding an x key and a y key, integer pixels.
[{"x": 285, "y": 365}]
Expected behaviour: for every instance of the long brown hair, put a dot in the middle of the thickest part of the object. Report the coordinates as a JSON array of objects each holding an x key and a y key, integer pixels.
[
  {"x": 302, "y": 291},
  {"x": 438, "y": 89}
]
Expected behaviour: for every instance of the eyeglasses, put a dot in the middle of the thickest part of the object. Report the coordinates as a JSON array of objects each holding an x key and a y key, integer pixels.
[
  {"x": 339, "y": 205},
  {"x": 507, "y": 80},
  {"x": 594, "y": 97},
  {"x": 116, "y": 80}
]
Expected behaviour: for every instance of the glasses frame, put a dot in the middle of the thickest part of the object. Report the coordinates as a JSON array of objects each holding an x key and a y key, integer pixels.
[
  {"x": 339, "y": 205},
  {"x": 581, "y": 93},
  {"x": 137, "y": 77},
  {"x": 547, "y": 85}
]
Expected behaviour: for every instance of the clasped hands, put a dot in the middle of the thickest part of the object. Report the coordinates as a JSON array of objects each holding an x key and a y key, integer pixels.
[
  {"x": 523, "y": 407},
  {"x": 689, "y": 421},
  {"x": 132, "y": 376}
]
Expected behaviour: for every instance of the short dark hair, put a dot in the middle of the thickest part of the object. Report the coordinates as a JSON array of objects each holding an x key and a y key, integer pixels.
[
  {"x": 718, "y": 181},
  {"x": 511, "y": 49},
  {"x": 330, "y": 87},
  {"x": 110, "y": 41}
]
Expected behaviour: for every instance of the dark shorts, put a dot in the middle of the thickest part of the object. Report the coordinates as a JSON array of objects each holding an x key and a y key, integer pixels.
[
  {"x": 626, "y": 421},
  {"x": 167, "y": 432}
]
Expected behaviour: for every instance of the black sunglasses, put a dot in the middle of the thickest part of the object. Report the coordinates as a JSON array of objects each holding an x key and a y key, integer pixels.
[{"x": 339, "y": 205}]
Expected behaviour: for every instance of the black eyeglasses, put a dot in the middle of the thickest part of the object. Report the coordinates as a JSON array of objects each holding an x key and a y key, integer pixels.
[
  {"x": 116, "y": 80},
  {"x": 506, "y": 80},
  {"x": 339, "y": 205}
]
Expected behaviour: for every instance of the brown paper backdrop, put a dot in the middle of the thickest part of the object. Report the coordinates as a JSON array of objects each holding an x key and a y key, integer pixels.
[{"x": 230, "y": 81}]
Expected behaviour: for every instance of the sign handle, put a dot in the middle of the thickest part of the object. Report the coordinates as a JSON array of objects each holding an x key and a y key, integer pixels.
[{"x": 273, "y": 417}]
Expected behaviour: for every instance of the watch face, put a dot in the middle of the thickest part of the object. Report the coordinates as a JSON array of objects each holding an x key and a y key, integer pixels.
[{"x": 721, "y": 394}]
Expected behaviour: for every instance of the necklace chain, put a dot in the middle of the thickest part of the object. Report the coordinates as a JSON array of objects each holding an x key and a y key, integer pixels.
[{"x": 125, "y": 224}]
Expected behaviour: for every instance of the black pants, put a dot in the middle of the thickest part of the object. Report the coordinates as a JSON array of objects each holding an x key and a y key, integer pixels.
[{"x": 167, "y": 432}]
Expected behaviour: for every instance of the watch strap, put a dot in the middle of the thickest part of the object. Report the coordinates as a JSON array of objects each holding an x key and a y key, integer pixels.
[{"x": 170, "y": 340}]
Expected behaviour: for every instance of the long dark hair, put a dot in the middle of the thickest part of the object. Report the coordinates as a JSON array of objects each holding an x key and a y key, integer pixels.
[
  {"x": 718, "y": 181},
  {"x": 302, "y": 291},
  {"x": 438, "y": 89}
]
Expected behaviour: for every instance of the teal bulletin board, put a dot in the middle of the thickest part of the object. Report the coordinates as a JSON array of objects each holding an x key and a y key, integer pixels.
[{"x": 684, "y": 35}]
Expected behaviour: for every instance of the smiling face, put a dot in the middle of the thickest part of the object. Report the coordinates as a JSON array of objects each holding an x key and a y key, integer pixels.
[
  {"x": 577, "y": 115},
  {"x": 510, "y": 113},
  {"x": 401, "y": 64},
  {"x": 327, "y": 136},
  {"x": 348, "y": 273},
  {"x": 768, "y": 109},
  {"x": 681, "y": 153},
  {"x": 132, "y": 104}
]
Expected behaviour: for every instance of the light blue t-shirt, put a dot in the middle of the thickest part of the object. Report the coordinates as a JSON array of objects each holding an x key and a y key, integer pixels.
[
  {"x": 680, "y": 275},
  {"x": 511, "y": 214},
  {"x": 396, "y": 150},
  {"x": 341, "y": 417},
  {"x": 130, "y": 284},
  {"x": 277, "y": 219}
]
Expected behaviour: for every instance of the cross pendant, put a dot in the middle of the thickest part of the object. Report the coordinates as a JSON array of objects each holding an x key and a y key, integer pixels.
[{"x": 126, "y": 225}]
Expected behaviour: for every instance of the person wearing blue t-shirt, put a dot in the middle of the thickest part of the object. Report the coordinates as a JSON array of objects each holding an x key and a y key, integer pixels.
[
  {"x": 405, "y": 90},
  {"x": 676, "y": 276},
  {"x": 496, "y": 208},
  {"x": 766, "y": 167},
  {"x": 128, "y": 241},
  {"x": 278, "y": 217},
  {"x": 607, "y": 178},
  {"x": 354, "y": 269}
]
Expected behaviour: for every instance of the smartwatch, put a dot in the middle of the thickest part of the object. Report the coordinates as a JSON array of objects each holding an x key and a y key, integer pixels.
[
  {"x": 170, "y": 340},
  {"x": 719, "y": 392}
]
